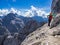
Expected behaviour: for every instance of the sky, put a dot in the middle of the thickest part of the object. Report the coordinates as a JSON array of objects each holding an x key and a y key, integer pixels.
[
  {"x": 45, "y": 5},
  {"x": 24, "y": 3}
]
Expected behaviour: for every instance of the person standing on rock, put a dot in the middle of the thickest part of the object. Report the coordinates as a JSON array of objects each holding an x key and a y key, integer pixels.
[{"x": 50, "y": 16}]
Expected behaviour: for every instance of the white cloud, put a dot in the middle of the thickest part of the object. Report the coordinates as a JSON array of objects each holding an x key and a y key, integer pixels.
[
  {"x": 3, "y": 12},
  {"x": 33, "y": 8},
  {"x": 36, "y": 12},
  {"x": 28, "y": 13},
  {"x": 12, "y": 10},
  {"x": 33, "y": 11},
  {"x": 6, "y": 11}
]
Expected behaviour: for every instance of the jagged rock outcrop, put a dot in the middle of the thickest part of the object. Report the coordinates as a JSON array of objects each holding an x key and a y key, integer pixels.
[
  {"x": 55, "y": 8},
  {"x": 55, "y": 21},
  {"x": 44, "y": 36}
]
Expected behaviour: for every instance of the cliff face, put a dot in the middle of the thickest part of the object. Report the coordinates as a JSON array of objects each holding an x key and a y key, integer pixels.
[{"x": 55, "y": 8}]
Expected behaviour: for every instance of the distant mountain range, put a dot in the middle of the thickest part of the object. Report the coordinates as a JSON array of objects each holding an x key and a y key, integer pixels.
[{"x": 14, "y": 23}]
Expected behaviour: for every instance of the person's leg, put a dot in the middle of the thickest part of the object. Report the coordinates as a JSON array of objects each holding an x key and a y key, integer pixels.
[{"x": 48, "y": 22}]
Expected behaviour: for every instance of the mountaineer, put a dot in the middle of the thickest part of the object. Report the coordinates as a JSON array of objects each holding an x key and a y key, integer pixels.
[{"x": 50, "y": 16}]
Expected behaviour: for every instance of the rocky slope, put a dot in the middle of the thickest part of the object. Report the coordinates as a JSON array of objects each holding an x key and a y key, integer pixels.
[{"x": 44, "y": 36}]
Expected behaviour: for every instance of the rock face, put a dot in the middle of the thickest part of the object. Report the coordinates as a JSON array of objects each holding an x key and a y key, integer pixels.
[
  {"x": 44, "y": 36},
  {"x": 12, "y": 23},
  {"x": 10, "y": 40},
  {"x": 56, "y": 12},
  {"x": 55, "y": 6},
  {"x": 55, "y": 21},
  {"x": 31, "y": 26}
]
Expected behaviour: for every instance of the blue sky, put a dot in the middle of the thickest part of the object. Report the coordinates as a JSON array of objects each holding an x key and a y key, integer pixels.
[{"x": 24, "y": 3}]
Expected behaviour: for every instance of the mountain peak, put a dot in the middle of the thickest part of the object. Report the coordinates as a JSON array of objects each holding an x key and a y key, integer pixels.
[{"x": 12, "y": 14}]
